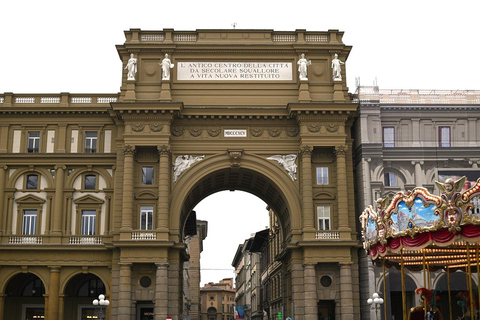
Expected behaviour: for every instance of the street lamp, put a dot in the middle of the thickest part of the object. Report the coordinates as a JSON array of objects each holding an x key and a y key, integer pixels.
[
  {"x": 375, "y": 301},
  {"x": 100, "y": 305}
]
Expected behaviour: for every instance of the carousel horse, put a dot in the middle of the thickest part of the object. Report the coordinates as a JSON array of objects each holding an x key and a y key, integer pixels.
[{"x": 428, "y": 300}]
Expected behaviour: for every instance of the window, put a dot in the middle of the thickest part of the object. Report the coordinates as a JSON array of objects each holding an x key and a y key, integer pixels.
[
  {"x": 90, "y": 182},
  {"x": 390, "y": 180},
  {"x": 323, "y": 216},
  {"x": 88, "y": 222},
  {"x": 147, "y": 175},
  {"x": 389, "y": 137},
  {"x": 322, "y": 175},
  {"x": 33, "y": 142},
  {"x": 146, "y": 218},
  {"x": 32, "y": 182},
  {"x": 90, "y": 141},
  {"x": 29, "y": 225},
  {"x": 444, "y": 137}
]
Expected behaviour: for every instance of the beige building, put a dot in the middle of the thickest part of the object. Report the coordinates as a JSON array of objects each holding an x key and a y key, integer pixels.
[
  {"x": 406, "y": 139},
  {"x": 96, "y": 191},
  {"x": 218, "y": 300}
]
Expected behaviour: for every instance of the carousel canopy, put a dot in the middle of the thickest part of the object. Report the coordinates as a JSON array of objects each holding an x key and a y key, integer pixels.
[{"x": 419, "y": 228}]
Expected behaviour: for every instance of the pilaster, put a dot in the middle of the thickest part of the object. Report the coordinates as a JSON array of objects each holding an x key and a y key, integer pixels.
[
  {"x": 57, "y": 216},
  {"x": 307, "y": 190},
  {"x": 127, "y": 198},
  {"x": 161, "y": 291},
  {"x": 125, "y": 292},
  {"x": 53, "y": 297},
  {"x": 346, "y": 291},
  {"x": 342, "y": 189},
  {"x": 3, "y": 170},
  {"x": 163, "y": 191},
  {"x": 310, "y": 287}
]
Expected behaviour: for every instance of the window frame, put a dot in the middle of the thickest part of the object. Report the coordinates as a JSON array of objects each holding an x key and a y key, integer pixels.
[
  {"x": 142, "y": 210},
  {"x": 84, "y": 181},
  {"x": 441, "y": 142},
  {"x": 36, "y": 141},
  {"x": 390, "y": 176},
  {"x": 329, "y": 219},
  {"x": 322, "y": 177},
  {"x": 36, "y": 222},
  {"x": 385, "y": 143},
  {"x": 90, "y": 143},
  {"x": 37, "y": 187},
  {"x": 144, "y": 175},
  {"x": 82, "y": 220}
]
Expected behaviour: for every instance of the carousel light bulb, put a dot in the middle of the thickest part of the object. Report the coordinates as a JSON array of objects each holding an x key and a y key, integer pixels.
[
  {"x": 375, "y": 295},
  {"x": 95, "y": 302},
  {"x": 101, "y": 297},
  {"x": 107, "y": 302},
  {"x": 370, "y": 301},
  {"x": 101, "y": 302},
  {"x": 381, "y": 300},
  {"x": 376, "y": 300}
]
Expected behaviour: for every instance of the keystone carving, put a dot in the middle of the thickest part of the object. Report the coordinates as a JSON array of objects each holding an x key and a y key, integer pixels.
[{"x": 235, "y": 156}]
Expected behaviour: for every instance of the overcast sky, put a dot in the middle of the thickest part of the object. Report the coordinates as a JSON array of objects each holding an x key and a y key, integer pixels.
[{"x": 69, "y": 46}]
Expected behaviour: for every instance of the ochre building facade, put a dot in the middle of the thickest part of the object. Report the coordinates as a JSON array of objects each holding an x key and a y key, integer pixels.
[{"x": 96, "y": 191}]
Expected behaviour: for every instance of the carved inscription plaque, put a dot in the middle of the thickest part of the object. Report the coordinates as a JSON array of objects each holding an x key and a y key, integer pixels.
[{"x": 235, "y": 71}]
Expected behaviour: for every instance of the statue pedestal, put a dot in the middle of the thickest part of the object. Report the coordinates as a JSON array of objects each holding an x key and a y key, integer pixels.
[
  {"x": 303, "y": 93},
  {"x": 130, "y": 94},
  {"x": 165, "y": 94},
  {"x": 338, "y": 94}
]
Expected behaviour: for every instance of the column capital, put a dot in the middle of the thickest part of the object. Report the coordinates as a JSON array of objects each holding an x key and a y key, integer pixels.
[
  {"x": 162, "y": 265},
  {"x": 60, "y": 166},
  {"x": 129, "y": 150},
  {"x": 164, "y": 150},
  {"x": 341, "y": 150},
  {"x": 306, "y": 150},
  {"x": 54, "y": 268}
]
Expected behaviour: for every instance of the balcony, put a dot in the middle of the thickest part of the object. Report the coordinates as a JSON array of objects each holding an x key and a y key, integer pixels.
[
  {"x": 144, "y": 235},
  {"x": 327, "y": 235},
  {"x": 85, "y": 240},
  {"x": 25, "y": 240}
]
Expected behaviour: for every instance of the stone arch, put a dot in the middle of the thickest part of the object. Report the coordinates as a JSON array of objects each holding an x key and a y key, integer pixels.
[
  {"x": 100, "y": 171},
  {"x": 13, "y": 274},
  {"x": 103, "y": 277},
  {"x": 44, "y": 173},
  {"x": 256, "y": 175}
]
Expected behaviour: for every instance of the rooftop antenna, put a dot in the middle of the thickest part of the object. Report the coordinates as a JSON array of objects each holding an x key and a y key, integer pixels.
[{"x": 234, "y": 25}]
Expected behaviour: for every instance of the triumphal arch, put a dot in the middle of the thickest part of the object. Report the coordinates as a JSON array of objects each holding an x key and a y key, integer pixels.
[{"x": 97, "y": 190}]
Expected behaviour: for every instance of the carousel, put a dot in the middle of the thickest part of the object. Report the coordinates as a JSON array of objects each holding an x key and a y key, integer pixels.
[{"x": 422, "y": 232}]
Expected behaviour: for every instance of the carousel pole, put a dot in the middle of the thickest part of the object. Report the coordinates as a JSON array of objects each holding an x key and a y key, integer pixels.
[
  {"x": 424, "y": 283},
  {"x": 472, "y": 311},
  {"x": 384, "y": 290},
  {"x": 478, "y": 277},
  {"x": 449, "y": 294},
  {"x": 404, "y": 295}
]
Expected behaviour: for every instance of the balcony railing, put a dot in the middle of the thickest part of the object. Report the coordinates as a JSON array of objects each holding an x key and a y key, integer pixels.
[
  {"x": 327, "y": 235},
  {"x": 85, "y": 240},
  {"x": 25, "y": 240},
  {"x": 144, "y": 235}
]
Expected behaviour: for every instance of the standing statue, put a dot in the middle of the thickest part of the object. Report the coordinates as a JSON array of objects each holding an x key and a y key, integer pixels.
[
  {"x": 302, "y": 67},
  {"x": 131, "y": 67},
  {"x": 337, "y": 69},
  {"x": 166, "y": 66}
]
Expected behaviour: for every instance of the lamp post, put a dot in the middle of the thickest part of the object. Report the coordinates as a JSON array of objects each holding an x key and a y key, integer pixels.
[
  {"x": 375, "y": 301},
  {"x": 100, "y": 305}
]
